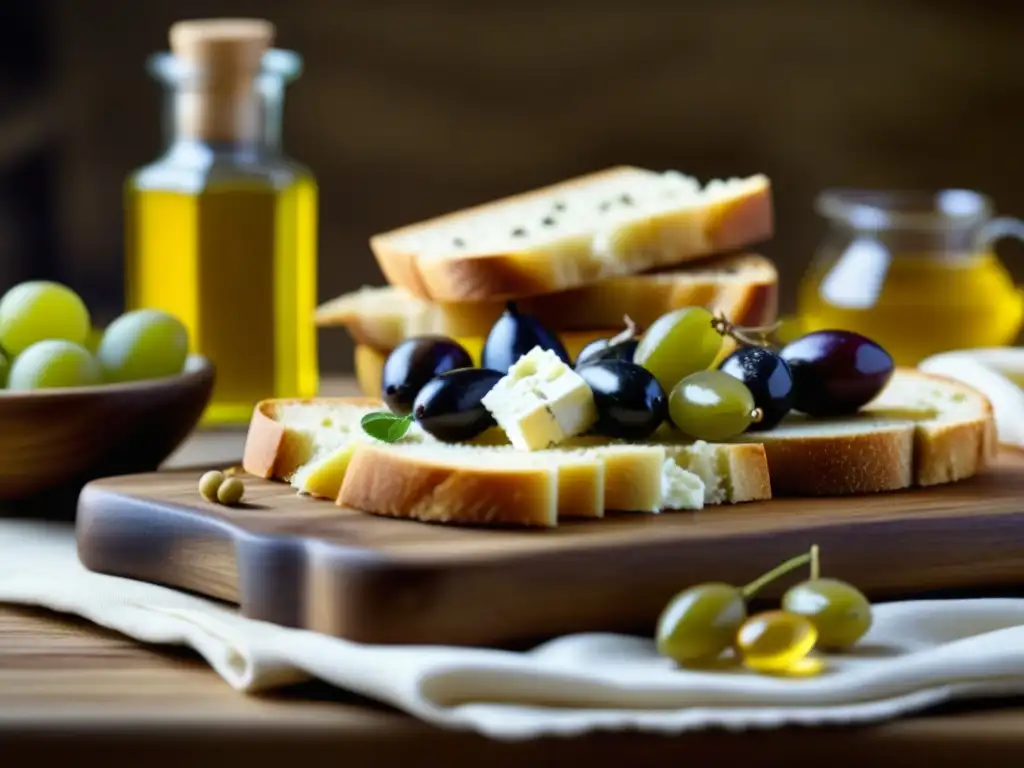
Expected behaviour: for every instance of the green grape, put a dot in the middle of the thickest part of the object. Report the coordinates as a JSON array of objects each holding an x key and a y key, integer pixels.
[
  {"x": 677, "y": 344},
  {"x": 143, "y": 344},
  {"x": 39, "y": 310},
  {"x": 53, "y": 363},
  {"x": 840, "y": 613},
  {"x": 700, "y": 623},
  {"x": 5, "y": 369},
  {"x": 712, "y": 405},
  {"x": 775, "y": 641}
]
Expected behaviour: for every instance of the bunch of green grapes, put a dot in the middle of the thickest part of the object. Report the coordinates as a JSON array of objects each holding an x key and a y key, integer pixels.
[
  {"x": 704, "y": 623},
  {"x": 48, "y": 341},
  {"x": 705, "y": 403},
  {"x": 821, "y": 374}
]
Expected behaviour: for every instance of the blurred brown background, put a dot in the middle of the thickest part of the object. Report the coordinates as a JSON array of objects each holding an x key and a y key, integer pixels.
[{"x": 408, "y": 109}]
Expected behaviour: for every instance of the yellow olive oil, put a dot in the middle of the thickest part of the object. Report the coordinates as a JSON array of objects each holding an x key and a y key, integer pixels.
[
  {"x": 236, "y": 262},
  {"x": 923, "y": 304},
  {"x": 221, "y": 229}
]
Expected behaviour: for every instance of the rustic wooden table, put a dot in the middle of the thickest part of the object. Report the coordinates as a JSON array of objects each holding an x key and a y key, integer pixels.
[{"x": 69, "y": 688}]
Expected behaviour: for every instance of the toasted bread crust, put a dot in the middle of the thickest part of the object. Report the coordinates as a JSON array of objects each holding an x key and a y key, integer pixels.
[
  {"x": 271, "y": 450},
  {"x": 945, "y": 453},
  {"x": 889, "y": 454},
  {"x": 498, "y": 276},
  {"x": 674, "y": 238},
  {"x": 750, "y": 473},
  {"x": 402, "y": 267},
  {"x": 841, "y": 466},
  {"x": 892, "y": 458},
  {"x": 748, "y": 298},
  {"x": 263, "y": 441},
  {"x": 392, "y": 484},
  {"x": 734, "y": 224},
  {"x": 950, "y": 454},
  {"x": 565, "y": 185}
]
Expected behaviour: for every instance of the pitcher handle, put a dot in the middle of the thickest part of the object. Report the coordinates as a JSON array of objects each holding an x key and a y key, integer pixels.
[{"x": 997, "y": 229}]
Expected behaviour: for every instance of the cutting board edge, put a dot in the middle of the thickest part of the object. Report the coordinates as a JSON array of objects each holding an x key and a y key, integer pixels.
[{"x": 373, "y": 597}]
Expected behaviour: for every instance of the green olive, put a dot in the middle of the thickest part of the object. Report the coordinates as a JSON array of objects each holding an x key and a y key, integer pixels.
[
  {"x": 209, "y": 484},
  {"x": 839, "y": 611},
  {"x": 701, "y": 622},
  {"x": 230, "y": 491}
]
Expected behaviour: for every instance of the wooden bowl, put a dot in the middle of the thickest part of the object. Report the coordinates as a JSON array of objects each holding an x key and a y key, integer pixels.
[{"x": 58, "y": 439}]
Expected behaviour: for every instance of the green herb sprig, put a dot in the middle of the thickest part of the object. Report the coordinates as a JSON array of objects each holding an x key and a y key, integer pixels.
[{"x": 386, "y": 427}]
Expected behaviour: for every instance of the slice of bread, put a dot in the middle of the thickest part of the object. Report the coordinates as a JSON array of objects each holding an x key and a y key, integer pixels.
[
  {"x": 922, "y": 430},
  {"x": 319, "y": 447},
  {"x": 475, "y": 488},
  {"x": 744, "y": 288},
  {"x": 620, "y": 221}
]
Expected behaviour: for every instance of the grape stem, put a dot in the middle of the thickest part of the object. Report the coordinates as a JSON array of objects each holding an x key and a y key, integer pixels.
[
  {"x": 752, "y": 336},
  {"x": 781, "y": 570},
  {"x": 815, "y": 564},
  {"x": 756, "y": 416},
  {"x": 630, "y": 332}
]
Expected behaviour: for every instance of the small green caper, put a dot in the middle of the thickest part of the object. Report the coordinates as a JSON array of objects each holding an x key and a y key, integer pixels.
[
  {"x": 210, "y": 483},
  {"x": 230, "y": 491}
]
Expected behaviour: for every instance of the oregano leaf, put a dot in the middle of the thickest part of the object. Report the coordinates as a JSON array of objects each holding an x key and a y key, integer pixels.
[
  {"x": 384, "y": 426},
  {"x": 398, "y": 429}
]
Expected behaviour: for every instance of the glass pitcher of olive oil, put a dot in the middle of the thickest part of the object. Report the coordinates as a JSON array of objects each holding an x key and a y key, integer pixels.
[
  {"x": 914, "y": 271},
  {"x": 221, "y": 229}
]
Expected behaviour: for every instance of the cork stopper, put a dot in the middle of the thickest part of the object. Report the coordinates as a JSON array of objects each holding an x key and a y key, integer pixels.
[
  {"x": 223, "y": 49},
  {"x": 224, "y": 57}
]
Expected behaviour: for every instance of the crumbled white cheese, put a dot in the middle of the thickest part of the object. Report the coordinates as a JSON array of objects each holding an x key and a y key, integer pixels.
[{"x": 680, "y": 488}]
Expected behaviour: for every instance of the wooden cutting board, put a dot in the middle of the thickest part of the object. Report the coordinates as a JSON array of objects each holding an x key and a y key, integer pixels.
[{"x": 306, "y": 563}]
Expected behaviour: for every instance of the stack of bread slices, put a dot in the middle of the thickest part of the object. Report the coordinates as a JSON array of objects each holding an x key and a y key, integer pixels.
[{"x": 581, "y": 256}]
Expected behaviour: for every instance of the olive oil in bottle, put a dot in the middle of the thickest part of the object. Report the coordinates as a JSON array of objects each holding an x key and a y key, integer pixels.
[{"x": 221, "y": 230}]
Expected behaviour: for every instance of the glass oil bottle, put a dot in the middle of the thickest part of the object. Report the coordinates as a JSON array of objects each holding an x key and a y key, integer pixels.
[{"x": 221, "y": 229}]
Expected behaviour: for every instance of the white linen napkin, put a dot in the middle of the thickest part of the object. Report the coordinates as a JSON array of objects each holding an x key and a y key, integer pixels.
[{"x": 916, "y": 655}]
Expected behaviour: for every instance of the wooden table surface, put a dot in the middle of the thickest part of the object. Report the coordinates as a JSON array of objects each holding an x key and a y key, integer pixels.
[{"x": 68, "y": 686}]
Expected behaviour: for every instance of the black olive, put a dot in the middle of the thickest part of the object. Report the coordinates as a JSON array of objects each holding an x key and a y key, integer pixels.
[
  {"x": 449, "y": 406},
  {"x": 413, "y": 363},
  {"x": 769, "y": 380},
  {"x": 630, "y": 402},
  {"x": 835, "y": 372},
  {"x": 603, "y": 349},
  {"x": 513, "y": 335}
]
